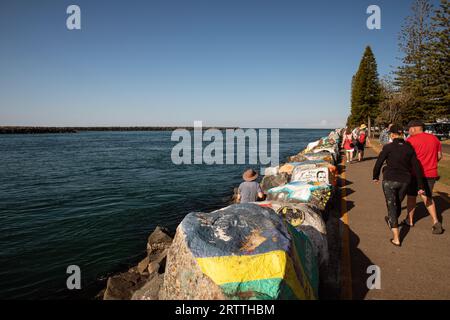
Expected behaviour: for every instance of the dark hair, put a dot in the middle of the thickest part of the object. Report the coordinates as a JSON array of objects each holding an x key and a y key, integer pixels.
[
  {"x": 416, "y": 123},
  {"x": 396, "y": 129}
]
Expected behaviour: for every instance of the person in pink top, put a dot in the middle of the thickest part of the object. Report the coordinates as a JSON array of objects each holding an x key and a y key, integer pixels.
[{"x": 429, "y": 152}]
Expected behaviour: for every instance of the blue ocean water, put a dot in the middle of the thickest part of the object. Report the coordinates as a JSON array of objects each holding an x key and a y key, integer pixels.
[{"x": 92, "y": 198}]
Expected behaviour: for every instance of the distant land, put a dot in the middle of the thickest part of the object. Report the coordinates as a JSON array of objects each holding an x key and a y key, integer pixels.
[{"x": 36, "y": 130}]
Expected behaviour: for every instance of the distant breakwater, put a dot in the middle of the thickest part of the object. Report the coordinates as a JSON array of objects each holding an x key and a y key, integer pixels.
[{"x": 37, "y": 130}]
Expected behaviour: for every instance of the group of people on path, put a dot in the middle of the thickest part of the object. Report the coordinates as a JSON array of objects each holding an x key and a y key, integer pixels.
[
  {"x": 354, "y": 142},
  {"x": 411, "y": 169}
]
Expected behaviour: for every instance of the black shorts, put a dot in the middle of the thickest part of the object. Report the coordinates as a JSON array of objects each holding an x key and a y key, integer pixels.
[
  {"x": 428, "y": 188},
  {"x": 360, "y": 146}
]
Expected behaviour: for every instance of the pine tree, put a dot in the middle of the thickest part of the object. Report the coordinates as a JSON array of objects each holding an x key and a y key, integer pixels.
[
  {"x": 411, "y": 77},
  {"x": 437, "y": 81},
  {"x": 365, "y": 96}
]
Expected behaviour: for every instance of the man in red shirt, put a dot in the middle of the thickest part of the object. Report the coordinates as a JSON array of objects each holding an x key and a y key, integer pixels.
[{"x": 429, "y": 151}]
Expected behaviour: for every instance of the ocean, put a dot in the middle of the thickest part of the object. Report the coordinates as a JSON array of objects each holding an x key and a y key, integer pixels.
[{"x": 92, "y": 198}]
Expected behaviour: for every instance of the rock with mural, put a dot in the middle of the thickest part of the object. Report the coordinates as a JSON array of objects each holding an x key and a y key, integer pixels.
[
  {"x": 317, "y": 194},
  {"x": 315, "y": 171},
  {"x": 297, "y": 158},
  {"x": 322, "y": 155},
  {"x": 243, "y": 251},
  {"x": 307, "y": 218},
  {"x": 272, "y": 181}
]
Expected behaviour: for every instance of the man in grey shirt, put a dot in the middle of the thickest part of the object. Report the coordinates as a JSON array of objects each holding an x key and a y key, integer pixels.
[{"x": 249, "y": 190}]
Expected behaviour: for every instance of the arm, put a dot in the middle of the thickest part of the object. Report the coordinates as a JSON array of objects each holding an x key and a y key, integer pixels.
[
  {"x": 439, "y": 155},
  {"x": 343, "y": 141},
  {"x": 377, "y": 168},
  {"x": 260, "y": 193},
  {"x": 238, "y": 196}
]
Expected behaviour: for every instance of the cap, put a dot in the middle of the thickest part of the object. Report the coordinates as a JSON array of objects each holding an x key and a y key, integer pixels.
[{"x": 396, "y": 129}]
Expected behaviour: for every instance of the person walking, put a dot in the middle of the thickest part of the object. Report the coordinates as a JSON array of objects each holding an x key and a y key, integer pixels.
[
  {"x": 384, "y": 135},
  {"x": 348, "y": 145},
  {"x": 429, "y": 152},
  {"x": 361, "y": 141},
  {"x": 400, "y": 161},
  {"x": 249, "y": 190}
]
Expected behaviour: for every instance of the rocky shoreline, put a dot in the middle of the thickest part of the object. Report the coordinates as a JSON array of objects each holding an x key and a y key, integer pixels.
[{"x": 197, "y": 262}]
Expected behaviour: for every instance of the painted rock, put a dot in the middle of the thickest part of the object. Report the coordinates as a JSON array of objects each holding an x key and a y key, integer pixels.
[
  {"x": 243, "y": 251},
  {"x": 306, "y": 218},
  {"x": 269, "y": 182},
  {"x": 318, "y": 194}
]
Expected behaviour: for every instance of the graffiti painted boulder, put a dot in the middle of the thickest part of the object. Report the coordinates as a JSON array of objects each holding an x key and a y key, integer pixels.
[
  {"x": 322, "y": 155},
  {"x": 271, "y": 171},
  {"x": 269, "y": 182},
  {"x": 289, "y": 167},
  {"x": 318, "y": 194},
  {"x": 243, "y": 251},
  {"x": 332, "y": 150},
  {"x": 297, "y": 158},
  {"x": 318, "y": 171},
  {"x": 307, "y": 218}
]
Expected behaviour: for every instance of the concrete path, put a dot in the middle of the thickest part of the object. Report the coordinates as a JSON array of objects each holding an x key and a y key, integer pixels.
[{"x": 417, "y": 270}]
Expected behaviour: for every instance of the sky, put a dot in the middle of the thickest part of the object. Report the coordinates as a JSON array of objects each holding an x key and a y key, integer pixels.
[{"x": 249, "y": 63}]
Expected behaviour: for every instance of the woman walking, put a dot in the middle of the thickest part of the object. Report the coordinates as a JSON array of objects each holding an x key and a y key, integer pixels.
[
  {"x": 347, "y": 144},
  {"x": 400, "y": 161}
]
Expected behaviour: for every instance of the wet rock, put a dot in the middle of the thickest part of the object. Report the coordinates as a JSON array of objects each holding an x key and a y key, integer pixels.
[
  {"x": 142, "y": 266},
  {"x": 159, "y": 240},
  {"x": 243, "y": 251},
  {"x": 122, "y": 286},
  {"x": 150, "y": 290}
]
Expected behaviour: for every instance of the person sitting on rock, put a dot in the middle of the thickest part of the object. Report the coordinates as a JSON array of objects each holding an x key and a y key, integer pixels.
[{"x": 249, "y": 190}]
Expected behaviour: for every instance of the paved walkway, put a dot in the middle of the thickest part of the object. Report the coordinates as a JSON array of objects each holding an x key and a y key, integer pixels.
[{"x": 417, "y": 270}]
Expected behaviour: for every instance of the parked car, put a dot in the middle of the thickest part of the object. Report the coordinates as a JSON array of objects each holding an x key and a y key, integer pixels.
[{"x": 440, "y": 129}]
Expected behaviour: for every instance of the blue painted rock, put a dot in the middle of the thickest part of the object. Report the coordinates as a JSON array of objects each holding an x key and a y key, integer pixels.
[
  {"x": 317, "y": 194},
  {"x": 243, "y": 251}
]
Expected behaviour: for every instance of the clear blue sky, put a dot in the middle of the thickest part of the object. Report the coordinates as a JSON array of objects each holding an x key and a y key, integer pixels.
[{"x": 257, "y": 63}]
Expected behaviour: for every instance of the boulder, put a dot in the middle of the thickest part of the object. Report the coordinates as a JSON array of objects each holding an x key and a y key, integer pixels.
[
  {"x": 142, "y": 266},
  {"x": 159, "y": 240},
  {"x": 320, "y": 172},
  {"x": 271, "y": 171},
  {"x": 297, "y": 158},
  {"x": 150, "y": 290},
  {"x": 307, "y": 218},
  {"x": 322, "y": 155},
  {"x": 269, "y": 182},
  {"x": 122, "y": 286},
  {"x": 243, "y": 251},
  {"x": 317, "y": 193}
]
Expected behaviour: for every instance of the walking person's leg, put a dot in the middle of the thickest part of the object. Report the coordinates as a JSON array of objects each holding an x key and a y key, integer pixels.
[
  {"x": 391, "y": 194},
  {"x": 428, "y": 201},
  {"x": 410, "y": 209}
]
